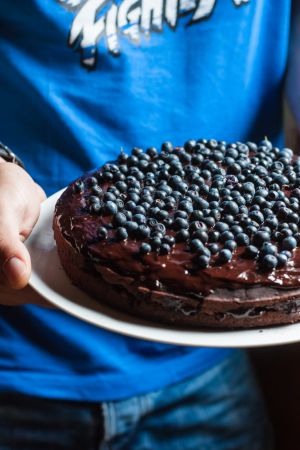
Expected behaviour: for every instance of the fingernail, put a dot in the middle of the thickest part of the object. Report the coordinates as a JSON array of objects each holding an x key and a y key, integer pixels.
[{"x": 14, "y": 269}]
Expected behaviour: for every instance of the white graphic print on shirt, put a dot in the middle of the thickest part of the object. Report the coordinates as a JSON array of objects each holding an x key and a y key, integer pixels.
[{"x": 96, "y": 19}]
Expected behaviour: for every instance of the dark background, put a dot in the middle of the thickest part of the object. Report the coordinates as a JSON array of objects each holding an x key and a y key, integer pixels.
[{"x": 278, "y": 371}]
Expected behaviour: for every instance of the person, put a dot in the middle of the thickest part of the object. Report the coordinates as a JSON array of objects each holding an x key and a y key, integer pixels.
[{"x": 79, "y": 80}]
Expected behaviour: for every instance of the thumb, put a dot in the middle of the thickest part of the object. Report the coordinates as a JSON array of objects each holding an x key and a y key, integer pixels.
[{"x": 14, "y": 257}]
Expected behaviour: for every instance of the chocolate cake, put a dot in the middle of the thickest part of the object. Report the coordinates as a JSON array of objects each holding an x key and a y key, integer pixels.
[{"x": 204, "y": 235}]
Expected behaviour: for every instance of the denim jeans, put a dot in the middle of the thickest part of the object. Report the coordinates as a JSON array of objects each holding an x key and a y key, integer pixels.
[{"x": 221, "y": 409}]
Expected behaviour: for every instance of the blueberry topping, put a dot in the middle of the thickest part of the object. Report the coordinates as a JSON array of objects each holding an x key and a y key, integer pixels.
[
  {"x": 282, "y": 260},
  {"x": 289, "y": 243},
  {"x": 268, "y": 262},
  {"x": 182, "y": 235},
  {"x": 213, "y": 248},
  {"x": 102, "y": 233},
  {"x": 120, "y": 219},
  {"x": 110, "y": 207},
  {"x": 230, "y": 245},
  {"x": 203, "y": 261},
  {"x": 242, "y": 239},
  {"x": 180, "y": 223},
  {"x": 165, "y": 249},
  {"x": 121, "y": 233},
  {"x": 208, "y": 197},
  {"x": 196, "y": 245},
  {"x": 145, "y": 248},
  {"x": 224, "y": 256},
  {"x": 260, "y": 237},
  {"x": 251, "y": 252}
]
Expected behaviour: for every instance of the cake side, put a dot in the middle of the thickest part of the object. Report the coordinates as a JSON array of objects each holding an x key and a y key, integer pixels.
[{"x": 215, "y": 249}]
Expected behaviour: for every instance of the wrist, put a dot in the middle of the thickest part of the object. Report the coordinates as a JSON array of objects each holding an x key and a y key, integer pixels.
[{"x": 6, "y": 155}]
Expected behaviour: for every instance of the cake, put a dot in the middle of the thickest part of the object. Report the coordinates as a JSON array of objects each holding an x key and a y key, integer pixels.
[{"x": 200, "y": 235}]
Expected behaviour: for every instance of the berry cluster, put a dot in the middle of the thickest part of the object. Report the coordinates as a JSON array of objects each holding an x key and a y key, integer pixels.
[{"x": 213, "y": 196}]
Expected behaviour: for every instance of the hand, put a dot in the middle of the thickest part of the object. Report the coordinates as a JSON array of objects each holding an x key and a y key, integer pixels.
[{"x": 20, "y": 199}]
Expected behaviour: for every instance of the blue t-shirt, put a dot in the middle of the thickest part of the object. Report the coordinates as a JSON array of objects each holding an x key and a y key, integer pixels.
[{"x": 81, "y": 79}]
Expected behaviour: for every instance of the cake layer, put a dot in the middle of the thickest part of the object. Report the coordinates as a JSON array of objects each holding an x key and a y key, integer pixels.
[{"x": 205, "y": 234}]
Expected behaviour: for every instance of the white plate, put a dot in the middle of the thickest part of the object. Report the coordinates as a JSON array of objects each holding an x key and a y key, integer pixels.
[{"x": 48, "y": 279}]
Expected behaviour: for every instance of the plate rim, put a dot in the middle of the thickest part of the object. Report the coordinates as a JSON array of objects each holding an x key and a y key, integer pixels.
[{"x": 134, "y": 327}]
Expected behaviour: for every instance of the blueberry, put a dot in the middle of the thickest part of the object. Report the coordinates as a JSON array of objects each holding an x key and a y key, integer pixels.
[
  {"x": 133, "y": 196},
  {"x": 186, "y": 206},
  {"x": 110, "y": 208},
  {"x": 257, "y": 216},
  {"x": 196, "y": 245},
  {"x": 260, "y": 237},
  {"x": 196, "y": 215},
  {"x": 203, "y": 261},
  {"x": 145, "y": 248},
  {"x": 287, "y": 253},
  {"x": 132, "y": 227},
  {"x": 139, "y": 218},
  {"x": 162, "y": 215},
  {"x": 95, "y": 208},
  {"x": 143, "y": 231},
  {"x": 268, "y": 262},
  {"x": 92, "y": 181},
  {"x": 242, "y": 239},
  {"x": 236, "y": 229},
  {"x": 109, "y": 196},
  {"x": 251, "y": 252},
  {"x": 250, "y": 230},
  {"x": 228, "y": 219},
  {"x": 165, "y": 249},
  {"x": 120, "y": 219},
  {"x": 182, "y": 214},
  {"x": 224, "y": 256},
  {"x": 121, "y": 233},
  {"x": 282, "y": 260},
  {"x": 102, "y": 233},
  {"x": 130, "y": 205},
  {"x": 152, "y": 152},
  {"x": 198, "y": 225},
  {"x": 213, "y": 236},
  {"x": 213, "y": 248},
  {"x": 221, "y": 226},
  {"x": 289, "y": 243},
  {"x": 182, "y": 236},
  {"x": 168, "y": 239},
  {"x": 209, "y": 221},
  {"x": 202, "y": 235},
  {"x": 226, "y": 236},
  {"x": 272, "y": 222},
  {"x": 248, "y": 188},
  {"x": 78, "y": 187},
  {"x": 180, "y": 223},
  {"x": 96, "y": 190},
  {"x": 155, "y": 243},
  {"x": 268, "y": 249},
  {"x": 293, "y": 217},
  {"x": 230, "y": 245}
]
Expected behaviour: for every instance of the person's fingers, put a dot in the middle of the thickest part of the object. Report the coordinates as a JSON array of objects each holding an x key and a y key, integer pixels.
[
  {"x": 41, "y": 193},
  {"x": 14, "y": 257},
  {"x": 20, "y": 199}
]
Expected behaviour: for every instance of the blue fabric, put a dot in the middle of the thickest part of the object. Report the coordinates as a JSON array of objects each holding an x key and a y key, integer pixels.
[
  {"x": 214, "y": 70},
  {"x": 189, "y": 415}
]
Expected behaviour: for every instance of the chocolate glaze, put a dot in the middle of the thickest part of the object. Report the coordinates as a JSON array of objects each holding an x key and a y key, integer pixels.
[{"x": 175, "y": 272}]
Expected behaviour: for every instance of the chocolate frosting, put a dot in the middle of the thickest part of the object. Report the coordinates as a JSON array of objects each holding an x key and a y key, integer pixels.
[{"x": 175, "y": 271}]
